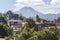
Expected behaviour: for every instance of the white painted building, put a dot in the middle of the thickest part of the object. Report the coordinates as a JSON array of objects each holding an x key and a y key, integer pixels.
[{"x": 14, "y": 23}]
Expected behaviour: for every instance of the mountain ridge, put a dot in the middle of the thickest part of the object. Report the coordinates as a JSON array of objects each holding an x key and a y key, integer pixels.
[{"x": 30, "y": 12}]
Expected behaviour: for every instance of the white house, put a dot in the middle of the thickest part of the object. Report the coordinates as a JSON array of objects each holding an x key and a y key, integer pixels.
[{"x": 14, "y": 23}]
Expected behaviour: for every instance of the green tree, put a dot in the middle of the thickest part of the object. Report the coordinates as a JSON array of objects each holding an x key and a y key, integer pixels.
[
  {"x": 21, "y": 17},
  {"x": 31, "y": 34},
  {"x": 5, "y": 30},
  {"x": 1, "y": 14},
  {"x": 37, "y": 18},
  {"x": 31, "y": 22},
  {"x": 2, "y": 20},
  {"x": 15, "y": 16},
  {"x": 9, "y": 14}
]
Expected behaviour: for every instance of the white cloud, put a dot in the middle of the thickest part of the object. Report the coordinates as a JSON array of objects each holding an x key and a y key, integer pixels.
[
  {"x": 51, "y": 12},
  {"x": 39, "y": 5},
  {"x": 21, "y": 3},
  {"x": 55, "y": 2}
]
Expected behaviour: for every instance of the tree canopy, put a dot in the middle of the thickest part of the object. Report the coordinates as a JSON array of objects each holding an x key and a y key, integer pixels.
[
  {"x": 37, "y": 18},
  {"x": 5, "y": 30}
]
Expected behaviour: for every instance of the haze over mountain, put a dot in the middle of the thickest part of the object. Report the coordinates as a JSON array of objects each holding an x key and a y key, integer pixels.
[
  {"x": 51, "y": 16},
  {"x": 30, "y": 12}
]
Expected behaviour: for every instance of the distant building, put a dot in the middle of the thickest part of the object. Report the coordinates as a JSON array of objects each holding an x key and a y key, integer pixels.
[
  {"x": 16, "y": 25},
  {"x": 57, "y": 21},
  {"x": 41, "y": 24}
]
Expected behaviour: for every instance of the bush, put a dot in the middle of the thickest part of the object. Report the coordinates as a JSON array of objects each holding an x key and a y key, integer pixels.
[{"x": 5, "y": 30}]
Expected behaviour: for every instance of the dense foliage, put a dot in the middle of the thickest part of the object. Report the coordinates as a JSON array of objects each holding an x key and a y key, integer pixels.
[
  {"x": 37, "y": 18},
  {"x": 5, "y": 30},
  {"x": 30, "y": 30},
  {"x": 29, "y": 33}
]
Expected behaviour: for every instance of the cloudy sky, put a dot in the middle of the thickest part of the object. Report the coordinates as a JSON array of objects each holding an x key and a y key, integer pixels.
[{"x": 44, "y": 6}]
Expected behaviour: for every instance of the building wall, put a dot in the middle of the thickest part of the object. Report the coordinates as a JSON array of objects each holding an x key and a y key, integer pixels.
[
  {"x": 57, "y": 24},
  {"x": 14, "y": 23}
]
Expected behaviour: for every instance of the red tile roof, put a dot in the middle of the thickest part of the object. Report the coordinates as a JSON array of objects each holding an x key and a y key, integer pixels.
[{"x": 57, "y": 21}]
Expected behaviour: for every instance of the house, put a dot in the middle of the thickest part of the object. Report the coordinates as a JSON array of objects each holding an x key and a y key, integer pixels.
[
  {"x": 16, "y": 25},
  {"x": 57, "y": 21},
  {"x": 13, "y": 21},
  {"x": 42, "y": 24}
]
